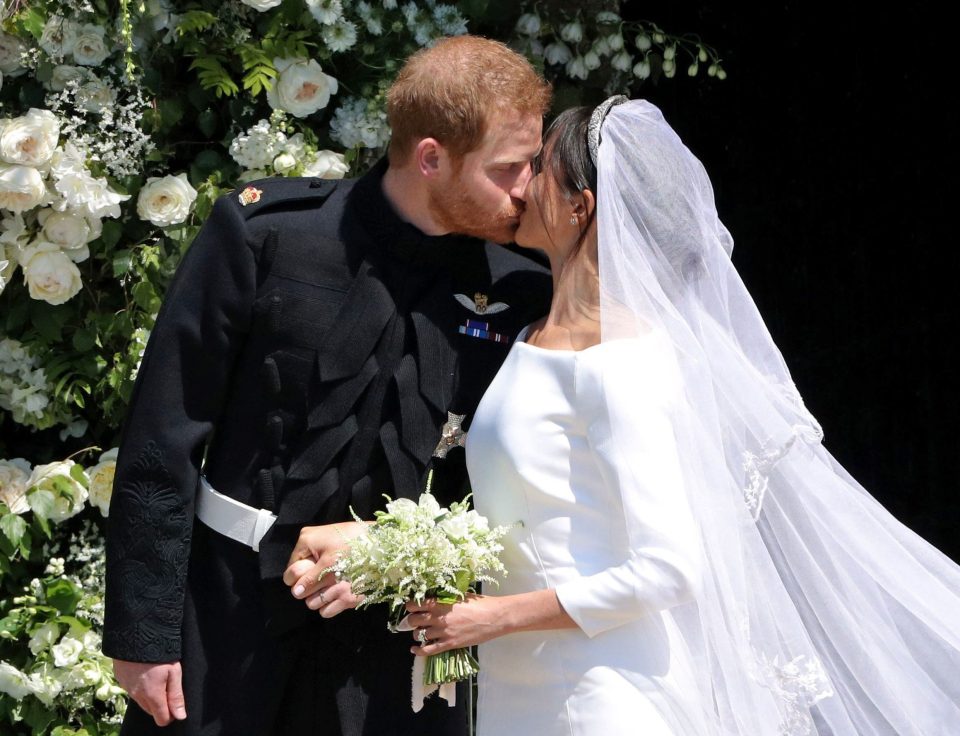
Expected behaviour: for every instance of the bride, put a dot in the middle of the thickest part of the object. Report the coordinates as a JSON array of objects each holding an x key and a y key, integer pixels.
[{"x": 691, "y": 559}]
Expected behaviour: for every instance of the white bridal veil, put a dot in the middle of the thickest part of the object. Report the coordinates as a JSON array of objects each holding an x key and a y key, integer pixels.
[{"x": 819, "y": 613}]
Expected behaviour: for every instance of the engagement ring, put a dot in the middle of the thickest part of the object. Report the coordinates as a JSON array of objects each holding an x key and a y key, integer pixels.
[
  {"x": 321, "y": 597},
  {"x": 422, "y": 636}
]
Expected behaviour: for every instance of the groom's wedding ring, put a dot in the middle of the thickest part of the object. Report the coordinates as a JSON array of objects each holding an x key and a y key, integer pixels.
[{"x": 422, "y": 636}]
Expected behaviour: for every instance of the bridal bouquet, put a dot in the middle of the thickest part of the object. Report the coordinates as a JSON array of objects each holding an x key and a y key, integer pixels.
[{"x": 418, "y": 550}]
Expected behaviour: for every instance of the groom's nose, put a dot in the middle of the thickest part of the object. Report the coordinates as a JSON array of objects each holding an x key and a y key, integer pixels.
[{"x": 519, "y": 189}]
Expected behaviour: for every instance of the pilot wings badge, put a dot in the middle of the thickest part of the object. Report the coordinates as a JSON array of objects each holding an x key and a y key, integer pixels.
[{"x": 480, "y": 304}]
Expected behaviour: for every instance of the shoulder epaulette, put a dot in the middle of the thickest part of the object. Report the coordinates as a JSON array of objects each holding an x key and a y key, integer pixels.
[{"x": 260, "y": 195}]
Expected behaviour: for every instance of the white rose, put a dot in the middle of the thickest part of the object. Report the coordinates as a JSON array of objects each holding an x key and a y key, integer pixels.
[
  {"x": 92, "y": 641},
  {"x": 95, "y": 95},
  {"x": 284, "y": 162},
  {"x": 13, "y": 484},
  {"x": 455, "y": 527},
  {"x": 81, "y": 190},
  {"x": 11, "y": 49},
  {"x": 401, "y": 507},
  {"x": 21, "y": 188},
  {"x": 30, "y": 139},
  {"x": 327, "y": 165},
  {"x": 67, "y": 652},
  {"x": 13, "y": 682},
  {"x": 262, "y": 5},
  {"x": 101, "y": 481},
  {"x": 46, "y": 684},
  {"x": 44, "y": 637},
  {"x": 428, "y": 504},
  {"x": 63, "y": 74},
  {"x": 59, "y": 36},
  {"x": 90, "y": 47},
  {"x": 166, "y": 200},
  {"x": 477, "y": 522},
  {"x": 49, "y": 273},
  {"x": 70, "y": 230},
  {"x": 301, "y": 87}
]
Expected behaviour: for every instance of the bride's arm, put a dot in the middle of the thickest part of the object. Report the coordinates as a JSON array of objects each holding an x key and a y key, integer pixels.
[{"x": 633, "y": 441}]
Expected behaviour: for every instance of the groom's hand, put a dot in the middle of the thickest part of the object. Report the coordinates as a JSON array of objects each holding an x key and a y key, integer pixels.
[
  {"x": 157, "y": 688},
  {"x": 316, "y": 550}
]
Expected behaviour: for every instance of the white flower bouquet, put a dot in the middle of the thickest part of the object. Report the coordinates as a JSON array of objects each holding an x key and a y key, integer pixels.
[{"x": 414, "y": 551}]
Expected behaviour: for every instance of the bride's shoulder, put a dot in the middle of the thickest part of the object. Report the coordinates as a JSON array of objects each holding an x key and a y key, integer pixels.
[{"x": 638, "y": 366}]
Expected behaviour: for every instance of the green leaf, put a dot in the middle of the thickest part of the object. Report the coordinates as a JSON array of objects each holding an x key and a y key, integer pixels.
[
  {"x": 64, "y": 595},
  {"x": 76, "y": 471},
  {"x": 171, "y": 112},
  {"x": 84, "y": 340},
  {"x": 49, "y": 320},
  {"x": 207, "y": 121},
  {"x": 36, "y": 715},
  {"x": 16, "y": 315},
  {"x": 33, "y": 21},
  {"x": 42, "y": 503},
  {"x": 10, "y": 625},
  {"x": 213, "y": 75},
  {"x": 195, "y": 20},
  {"x": 112, "y": 232},
  {"x": 13, "y": 526},
  {"x": 205, "y": 163},
  {"x": 145, "y": 296}
]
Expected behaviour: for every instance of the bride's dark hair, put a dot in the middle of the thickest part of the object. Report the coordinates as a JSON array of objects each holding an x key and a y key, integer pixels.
[{"x": 566, "y": 157}]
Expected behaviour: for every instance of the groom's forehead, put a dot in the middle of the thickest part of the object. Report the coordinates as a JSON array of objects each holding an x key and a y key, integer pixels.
[{"x": 509, "y": 130}]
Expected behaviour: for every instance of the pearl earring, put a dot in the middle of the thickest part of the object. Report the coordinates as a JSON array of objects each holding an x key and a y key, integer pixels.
[{"x": 573, "y": 219}]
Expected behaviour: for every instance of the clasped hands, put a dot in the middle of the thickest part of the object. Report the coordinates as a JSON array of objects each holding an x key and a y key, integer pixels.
[
  {"x": 472, "y": 621},
  {"x": 316, "y": 551}
]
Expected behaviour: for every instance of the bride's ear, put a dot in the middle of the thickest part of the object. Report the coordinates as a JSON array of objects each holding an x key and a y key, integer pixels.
[
  {"x": 589, "y": 201},
  {"x": 584, "y": 205}
]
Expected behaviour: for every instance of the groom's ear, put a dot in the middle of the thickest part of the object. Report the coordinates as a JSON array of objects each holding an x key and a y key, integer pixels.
[{"x": 431, "y": 158}]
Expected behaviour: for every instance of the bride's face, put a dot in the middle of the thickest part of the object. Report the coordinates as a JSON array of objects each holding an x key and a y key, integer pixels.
[{"x": 546, "y": 222}]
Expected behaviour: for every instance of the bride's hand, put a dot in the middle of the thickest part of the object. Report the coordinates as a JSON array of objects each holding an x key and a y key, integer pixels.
[
  {"x": 472, "y": 621},
  {"x": 315, "y": 551}
]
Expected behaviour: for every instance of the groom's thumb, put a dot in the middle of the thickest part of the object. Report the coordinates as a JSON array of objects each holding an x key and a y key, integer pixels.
[{"x": 175, "y": 702}]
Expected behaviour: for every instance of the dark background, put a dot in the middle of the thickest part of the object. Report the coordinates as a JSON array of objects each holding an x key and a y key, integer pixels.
[{"x": 829, "y": 146}]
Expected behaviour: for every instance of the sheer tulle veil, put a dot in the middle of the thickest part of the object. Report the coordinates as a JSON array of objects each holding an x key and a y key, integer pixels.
[{"x": 818, "y": 612}]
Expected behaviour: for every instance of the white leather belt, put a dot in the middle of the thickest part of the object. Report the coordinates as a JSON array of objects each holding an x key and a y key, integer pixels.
[{"x": 233, "y": 519}]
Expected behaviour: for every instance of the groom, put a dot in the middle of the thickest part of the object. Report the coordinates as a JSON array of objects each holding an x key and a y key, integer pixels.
[{"x": 318, "y": 340}]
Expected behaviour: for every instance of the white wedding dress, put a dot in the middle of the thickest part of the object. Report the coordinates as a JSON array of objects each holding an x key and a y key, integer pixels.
[{"x": 608, "y": 528}]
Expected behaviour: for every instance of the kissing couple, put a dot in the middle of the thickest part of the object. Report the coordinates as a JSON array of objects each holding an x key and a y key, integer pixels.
[{"x": 691, "y": 559}]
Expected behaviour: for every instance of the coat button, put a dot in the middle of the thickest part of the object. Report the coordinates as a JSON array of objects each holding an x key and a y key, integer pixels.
[
  {"x": 275, "y": 431},
  {"x": 271, "y": 376}
]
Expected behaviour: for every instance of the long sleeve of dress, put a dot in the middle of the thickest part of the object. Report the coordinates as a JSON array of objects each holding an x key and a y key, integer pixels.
[
  {"x": 177, "y": 399},
  {"x": 632, "y": 441}
]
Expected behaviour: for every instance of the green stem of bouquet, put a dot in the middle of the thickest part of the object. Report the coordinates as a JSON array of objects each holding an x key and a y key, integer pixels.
[{"x": 452, "y": 666}]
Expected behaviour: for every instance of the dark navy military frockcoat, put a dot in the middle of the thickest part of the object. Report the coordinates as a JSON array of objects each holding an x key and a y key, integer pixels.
[{"x": 305, "y": 359}]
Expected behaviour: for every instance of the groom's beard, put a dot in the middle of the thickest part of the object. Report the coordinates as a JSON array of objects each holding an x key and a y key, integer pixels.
[{"x": 457, "y": 211}]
